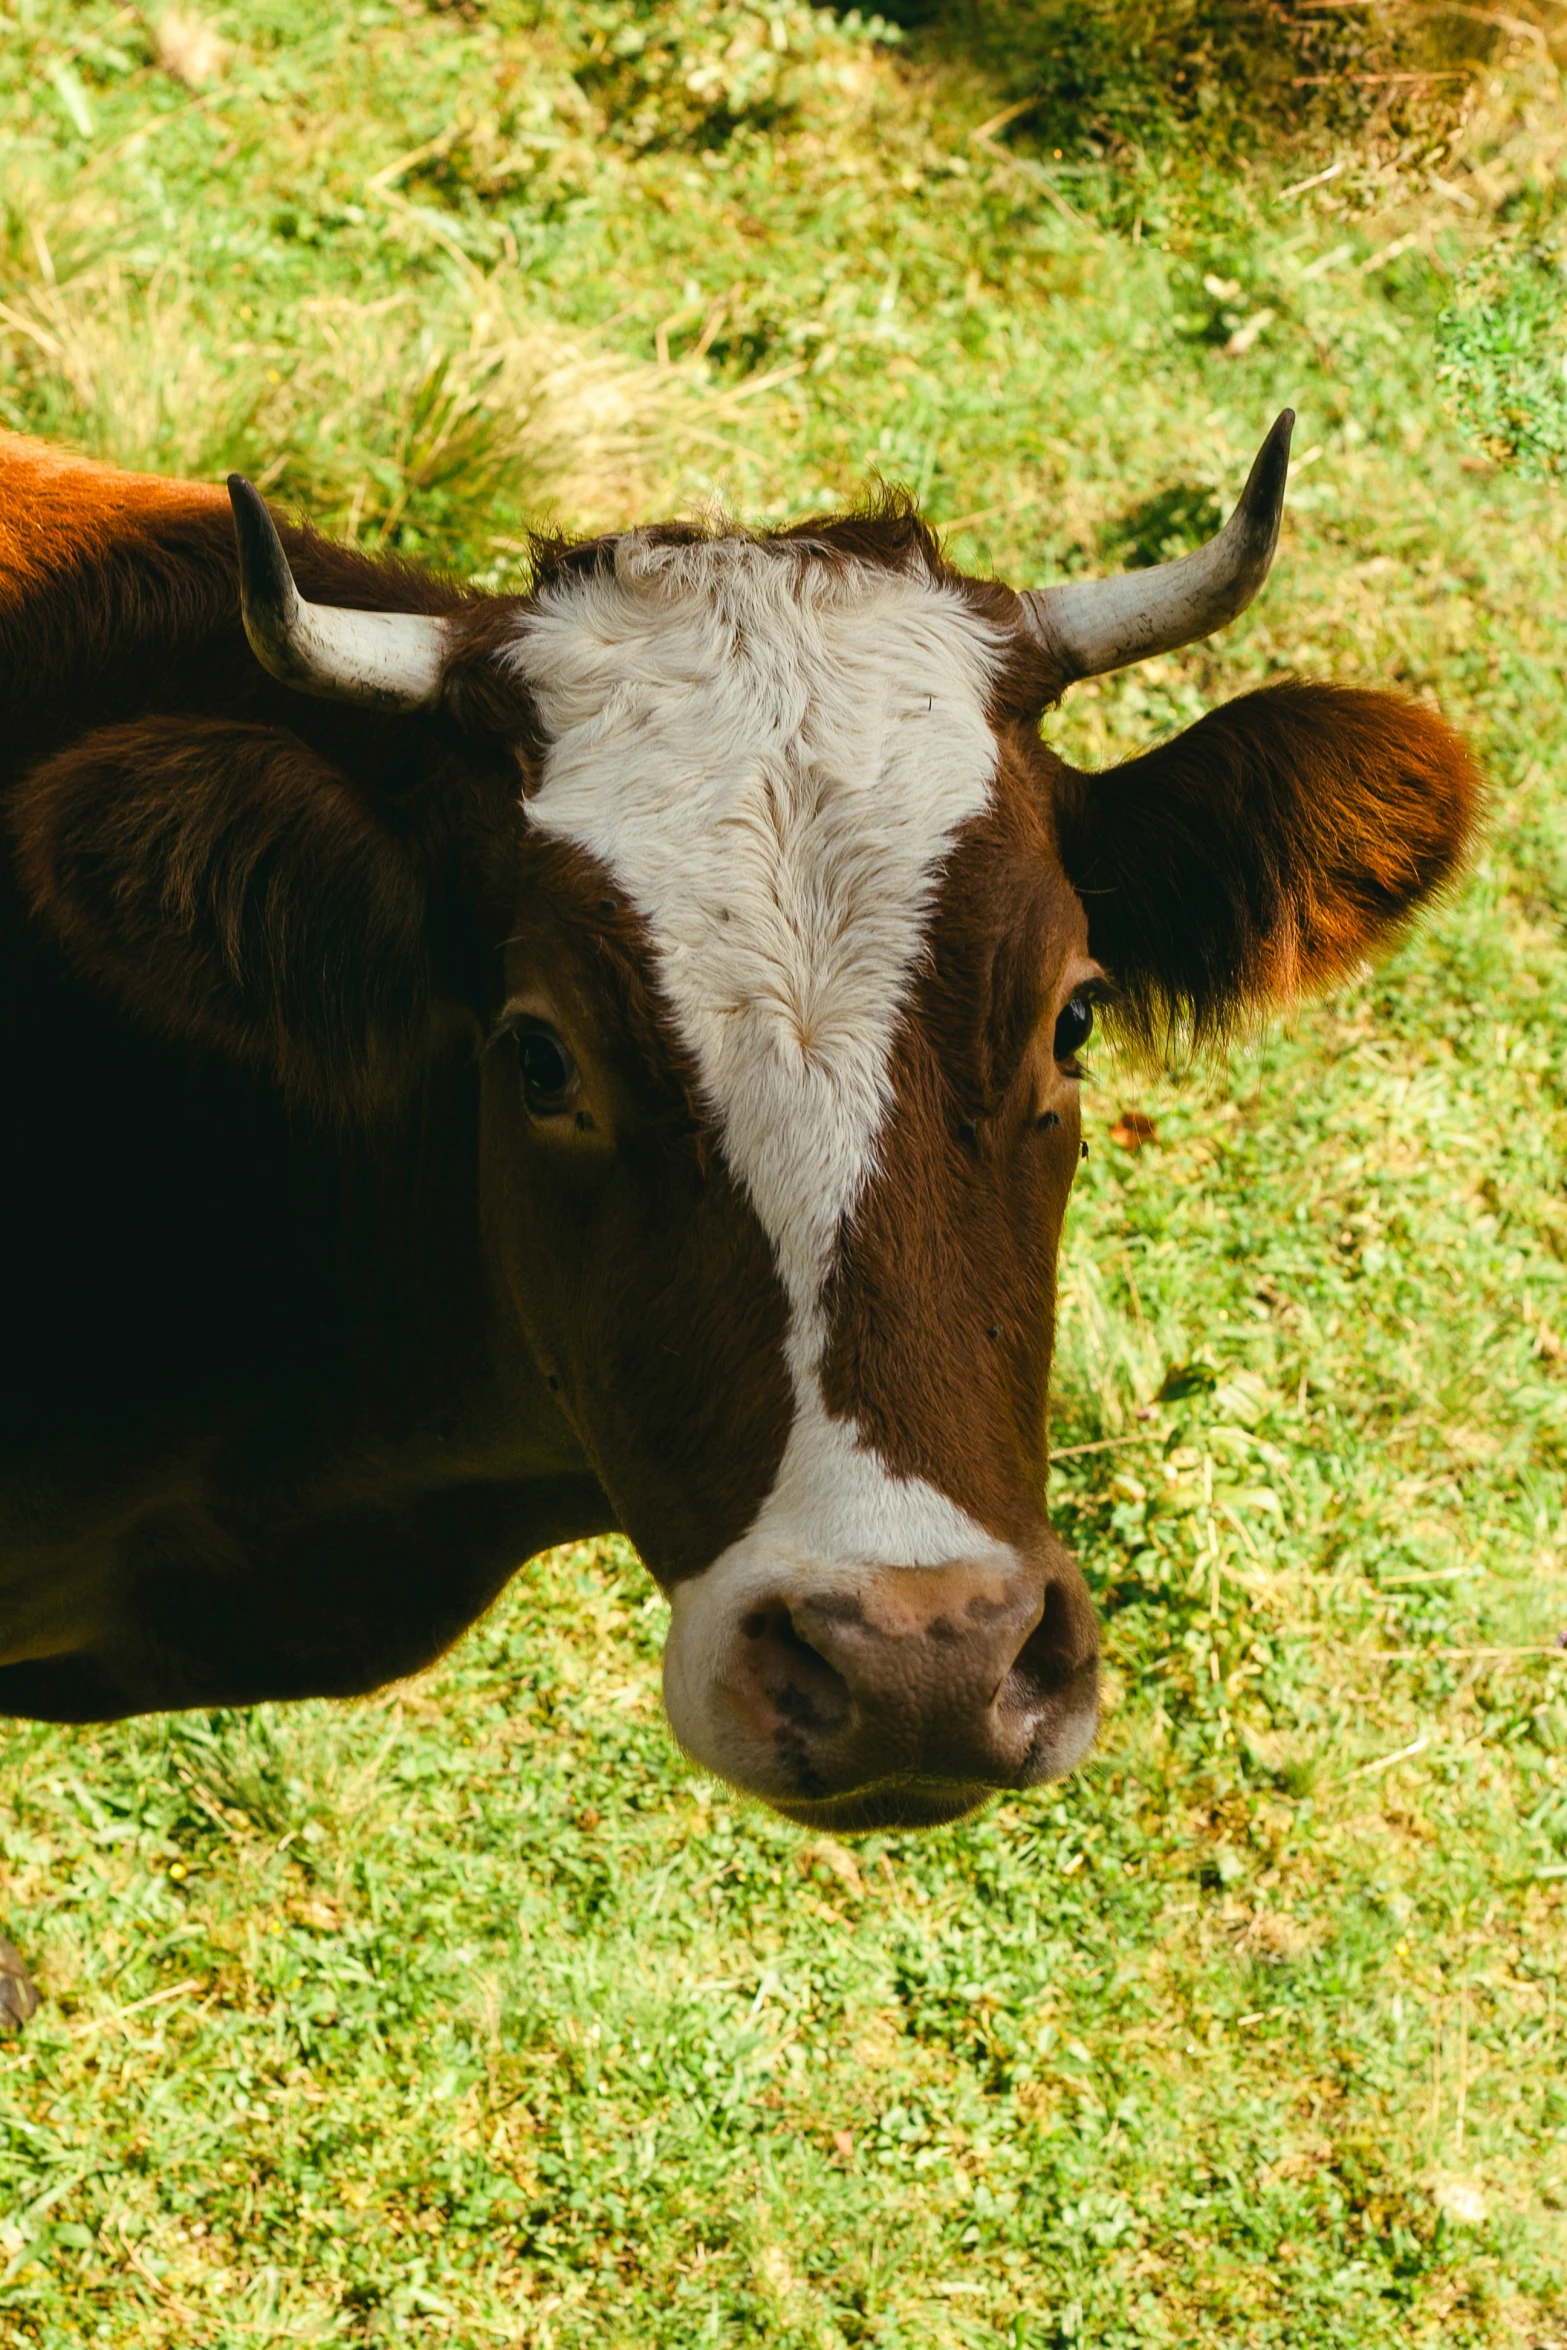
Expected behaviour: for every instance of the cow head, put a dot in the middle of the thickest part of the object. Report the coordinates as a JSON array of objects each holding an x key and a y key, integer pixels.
[
  {"x": 785, "y": 1128},
  {"x": 798, "y": 937}
]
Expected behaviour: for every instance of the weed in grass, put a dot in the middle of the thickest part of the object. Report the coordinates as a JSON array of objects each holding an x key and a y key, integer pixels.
[
  {"x": 1502, "y": 342},
  {"x": 466, "y": 2014}
]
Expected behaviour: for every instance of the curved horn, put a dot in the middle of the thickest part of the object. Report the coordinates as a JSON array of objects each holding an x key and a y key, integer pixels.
[
  {"x": 1092, "y": 625},
  {"x": 392, "y": 660}
]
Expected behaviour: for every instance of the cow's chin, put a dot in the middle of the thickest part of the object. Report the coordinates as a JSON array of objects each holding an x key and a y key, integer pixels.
[{"x": 893, "y": 1804}]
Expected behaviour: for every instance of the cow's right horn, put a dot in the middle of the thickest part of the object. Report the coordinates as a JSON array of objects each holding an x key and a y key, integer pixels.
[
  {"x": 392, "y": 660},
  {"x": 1093, "y": 625}
]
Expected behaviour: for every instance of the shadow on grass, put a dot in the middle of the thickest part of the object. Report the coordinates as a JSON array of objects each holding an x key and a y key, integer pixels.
[{"x": 1203, "y": 80}]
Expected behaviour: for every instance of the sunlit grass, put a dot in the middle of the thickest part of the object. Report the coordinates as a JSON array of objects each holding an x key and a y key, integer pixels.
[{"x": 468, "y": 2014}]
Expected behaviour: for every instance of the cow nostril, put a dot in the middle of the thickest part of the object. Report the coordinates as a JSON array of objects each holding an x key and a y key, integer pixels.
[
  {"x": 1056, "y": 1653},
  {"x": 798, "y": 1682}
]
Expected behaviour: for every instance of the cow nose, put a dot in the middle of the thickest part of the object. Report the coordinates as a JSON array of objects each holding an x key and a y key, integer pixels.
[{"x": 900, "y": 1695}]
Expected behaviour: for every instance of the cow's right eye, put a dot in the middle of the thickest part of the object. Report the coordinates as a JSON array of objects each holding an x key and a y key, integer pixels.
[{"x": 549, "y": 1074}]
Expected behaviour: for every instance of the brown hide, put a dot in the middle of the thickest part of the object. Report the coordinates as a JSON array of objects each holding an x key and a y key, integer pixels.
[
  {"x": 260, "y": 1430},
  {"x": 303, "y": 897},
  {"x": 943, "y": 1303},
  {"x": 119, "y": 596}
]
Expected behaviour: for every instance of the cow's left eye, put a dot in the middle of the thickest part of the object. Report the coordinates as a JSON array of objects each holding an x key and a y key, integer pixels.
[
  {"x": 1074, "y": 1028},
  {"x": 548, "y": 1070}
]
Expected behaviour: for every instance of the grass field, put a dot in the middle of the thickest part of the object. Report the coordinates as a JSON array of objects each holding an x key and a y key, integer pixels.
[{"x": 469, "y": 2014}]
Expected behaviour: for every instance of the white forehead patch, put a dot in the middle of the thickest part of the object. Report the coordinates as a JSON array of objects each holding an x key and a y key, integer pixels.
[{"x": 771, "y": 751}]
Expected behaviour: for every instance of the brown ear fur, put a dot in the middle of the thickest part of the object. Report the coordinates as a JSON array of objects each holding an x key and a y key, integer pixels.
[
  {"x": 222, "y": 883},
  {"x": 1265, "y": 850}
]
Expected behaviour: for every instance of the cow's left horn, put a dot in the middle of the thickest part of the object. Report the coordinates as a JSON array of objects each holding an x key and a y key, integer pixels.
[
  {"x": 392, "y": 660},
  {"x": 1093, "y": 625}
]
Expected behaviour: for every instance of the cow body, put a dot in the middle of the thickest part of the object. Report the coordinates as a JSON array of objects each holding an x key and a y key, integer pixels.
[{"x": 632, "y": 1084}]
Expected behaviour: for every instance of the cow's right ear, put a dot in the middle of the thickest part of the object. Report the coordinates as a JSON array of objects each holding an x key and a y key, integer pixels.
[{"x": 229, "y": 889}]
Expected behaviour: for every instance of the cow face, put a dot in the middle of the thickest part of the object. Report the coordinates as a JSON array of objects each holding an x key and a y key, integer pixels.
[
  {"x": 785, "y": 933},
  {"x": 781, "y": 1121}
]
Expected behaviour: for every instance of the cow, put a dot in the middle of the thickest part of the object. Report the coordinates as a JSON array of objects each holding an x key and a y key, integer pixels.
[{"x": 491, "y": 1069}]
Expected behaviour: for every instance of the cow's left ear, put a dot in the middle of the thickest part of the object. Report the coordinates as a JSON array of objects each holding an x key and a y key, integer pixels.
[{"x": 1265, "y": 850}]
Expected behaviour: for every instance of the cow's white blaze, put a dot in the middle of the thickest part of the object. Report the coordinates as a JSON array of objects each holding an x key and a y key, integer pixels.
[{"x": 772, "y": 753}]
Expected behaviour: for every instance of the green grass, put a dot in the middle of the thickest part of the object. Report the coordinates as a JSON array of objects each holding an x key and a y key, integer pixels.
[
  {"x": 469, "y": 2014},
  {"x": 1502, "y": 341}
]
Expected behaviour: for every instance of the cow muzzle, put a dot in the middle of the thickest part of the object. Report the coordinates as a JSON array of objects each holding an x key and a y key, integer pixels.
[{"x": 884, "y": 1696}]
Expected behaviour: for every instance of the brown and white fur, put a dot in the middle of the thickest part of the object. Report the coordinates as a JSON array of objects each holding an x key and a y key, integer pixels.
[{"x": 325, "y": 1317}]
